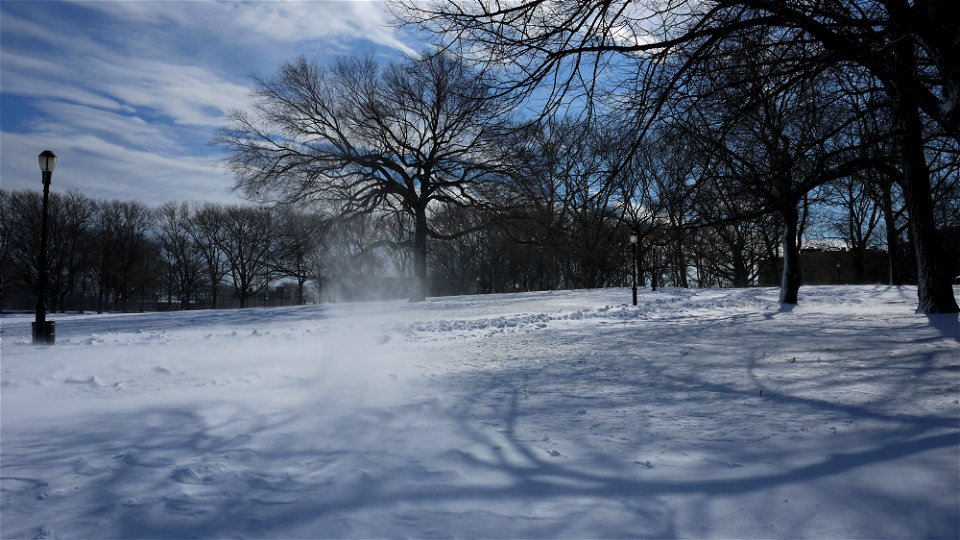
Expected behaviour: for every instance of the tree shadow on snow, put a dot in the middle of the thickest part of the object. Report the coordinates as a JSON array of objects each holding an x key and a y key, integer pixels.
[
  {"x": 601, "y": 443},
  {"x": 948, "y": 324}
]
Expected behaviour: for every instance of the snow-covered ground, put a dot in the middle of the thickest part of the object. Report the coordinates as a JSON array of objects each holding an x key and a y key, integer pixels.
[{"x": 700, "y": 413}]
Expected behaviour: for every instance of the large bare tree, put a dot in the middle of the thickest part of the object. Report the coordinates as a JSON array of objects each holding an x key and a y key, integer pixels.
[{"x": 358, "y": 137}]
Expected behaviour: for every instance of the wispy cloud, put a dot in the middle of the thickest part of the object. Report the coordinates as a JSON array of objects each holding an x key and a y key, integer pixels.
[
  {"x": 129, "y": 94},
  {"x": 188, "y": 95},
  {"x": 103, "y": 76},
  {"x": 300, "y": 21},
  {"x": 104, "y": 169},
  {"x": 34, "y": 76},
  {"x": 290, "y": 21}
]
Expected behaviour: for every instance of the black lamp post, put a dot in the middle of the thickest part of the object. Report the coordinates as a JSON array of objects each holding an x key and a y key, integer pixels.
[
  {"x": 838, "y": 273},
  {"x": 43, "y": 331},
  {"x": 633, "y": 264}
]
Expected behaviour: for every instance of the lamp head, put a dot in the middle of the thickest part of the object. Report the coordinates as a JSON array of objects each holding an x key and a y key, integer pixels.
[{"x": 48, "y": 161}]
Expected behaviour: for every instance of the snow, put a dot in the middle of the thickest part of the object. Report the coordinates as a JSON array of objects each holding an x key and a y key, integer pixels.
[{"x": 569, "y": 414}]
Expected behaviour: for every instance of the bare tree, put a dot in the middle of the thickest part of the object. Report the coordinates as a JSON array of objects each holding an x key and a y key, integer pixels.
[
  {"x": 183, "y": 259},
  {"x": 297, "y": 238},
  {"x": 563, "y": 200},
  {"x": 205, "y": 229},
  {"x": 246, "y": 239},
  {"x": 69, "y": 218},
  {"x": 858, "y": 221},
  {"x": 358, "y": 137},
  {"x": 354, "y": 260},
  {"x": 767, "y": 147},
  {"x": 455, "y": 264},
  {"x": 124, "y": 258}
]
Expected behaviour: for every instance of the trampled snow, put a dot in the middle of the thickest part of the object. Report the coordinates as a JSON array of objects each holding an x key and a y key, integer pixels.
[{"x": 699, "y": 413}]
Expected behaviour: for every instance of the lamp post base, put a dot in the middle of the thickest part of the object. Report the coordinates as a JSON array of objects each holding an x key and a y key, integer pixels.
[{"x": 47, "y": 335}]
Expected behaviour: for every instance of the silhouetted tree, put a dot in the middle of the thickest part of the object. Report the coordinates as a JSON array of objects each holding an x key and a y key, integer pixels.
[{"x": 359, "y": 137}]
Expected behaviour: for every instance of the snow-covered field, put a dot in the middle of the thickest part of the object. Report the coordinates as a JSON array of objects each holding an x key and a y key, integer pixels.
[{"x": 700, "y": 413}]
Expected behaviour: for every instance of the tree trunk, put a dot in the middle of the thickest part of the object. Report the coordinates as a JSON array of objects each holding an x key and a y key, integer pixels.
[
  {"x": 790, "y": 278},
  {"x": 214, "y": 295},
  {"x": 741, "y": 274},
  {"x": 858, "y": 245},
  {"x": 653, "y": 270},
  {"x": 858, "y": 258},
  {"x": 420, "y": 256},
  {"x": 681, "y": 263},
  {"x": 893, "y": 245},
  {"x": 935, "y": 294}
]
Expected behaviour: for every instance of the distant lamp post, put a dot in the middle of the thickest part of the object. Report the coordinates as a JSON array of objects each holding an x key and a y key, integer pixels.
[
  {"x": 633, "y": 264},
  {"x": 838, "y": 273},
  {"x": 44, "y": 332}
]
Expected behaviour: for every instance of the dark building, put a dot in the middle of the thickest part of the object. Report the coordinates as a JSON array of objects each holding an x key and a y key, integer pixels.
[
  {"x": 831, "y": 267},
  {"x": 838, "y": 266}
]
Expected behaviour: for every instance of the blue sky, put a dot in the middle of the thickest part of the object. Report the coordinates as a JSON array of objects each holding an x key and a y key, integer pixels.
[{"x": 129, "y": 93}]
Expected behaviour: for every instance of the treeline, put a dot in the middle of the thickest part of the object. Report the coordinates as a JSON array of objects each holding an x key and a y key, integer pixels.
[
  {"x": 430, "y": 151},
  {"x": 563, "y": 226},
  {"x": 769, "y": 104},
  {"x": 120, "y": 254}
]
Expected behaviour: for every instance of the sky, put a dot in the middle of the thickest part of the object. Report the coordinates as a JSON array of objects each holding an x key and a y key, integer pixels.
[{"x": 129, "y": 94}]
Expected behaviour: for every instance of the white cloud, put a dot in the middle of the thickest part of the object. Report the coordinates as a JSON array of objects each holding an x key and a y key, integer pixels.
[
  {"x": 279, "y": 20},
  {"x": 102, "y": 169},
  {"x": 129, "y": 93},
  {"x": 129, "y": 130},
  {"x": 39, "y": 77},
  {"x": 145, "y": 73},
  {"x": 188, "y": 95},
  {"x": 304, "y": 21}
]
